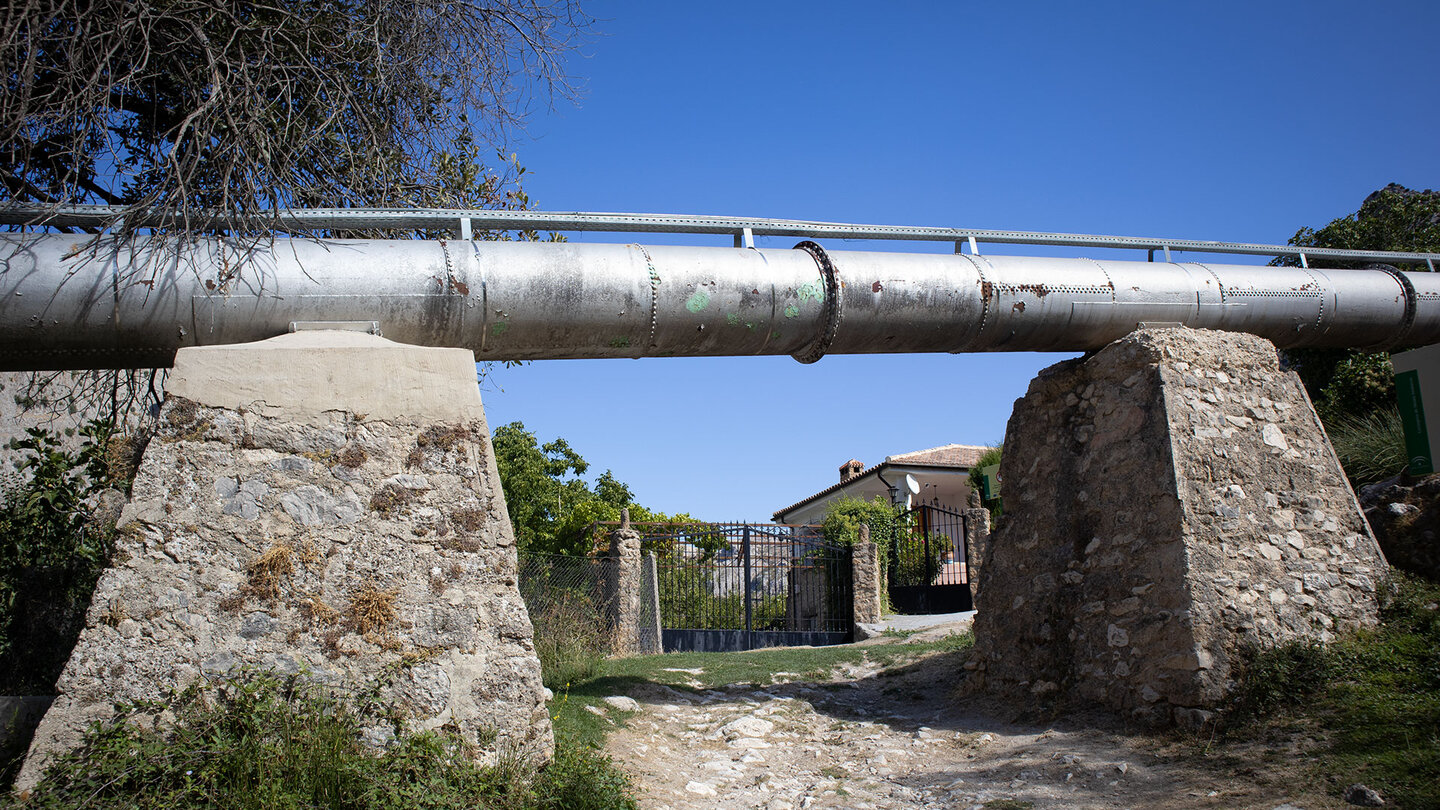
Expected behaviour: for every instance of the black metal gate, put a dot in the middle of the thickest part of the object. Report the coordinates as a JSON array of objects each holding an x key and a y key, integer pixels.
[
  {"x": 741, "y": 586},
  {"x": 927, "y": 572}
]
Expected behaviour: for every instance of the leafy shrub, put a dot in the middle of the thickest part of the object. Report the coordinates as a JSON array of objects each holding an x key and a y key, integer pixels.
[
  {"x": 990, "y": 456},
  {"x": 842, "y": 523},
  {"x": 51, "y": 552},
  {"x": 259, "y": 741}
]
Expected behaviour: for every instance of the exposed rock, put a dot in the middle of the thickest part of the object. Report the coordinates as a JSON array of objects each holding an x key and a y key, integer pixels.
[
  {"x": 1405, "y": 515},
  {"x": 621, "y": 703},
  {"x": 1363, "y": 796}
]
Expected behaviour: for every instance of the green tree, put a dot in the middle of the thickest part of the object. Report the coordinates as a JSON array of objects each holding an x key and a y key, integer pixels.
[
  {"x": 550, "y": 505},
  {"x": 1352, "y": 382}
]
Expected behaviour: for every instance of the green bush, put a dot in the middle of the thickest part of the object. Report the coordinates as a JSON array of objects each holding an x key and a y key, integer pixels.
[
  {"x": 1284, "y": 676},
  {"x": 51, "y": 551},
  {"x": 259, "y": 741},
  {"x": 842, "y": 521}
]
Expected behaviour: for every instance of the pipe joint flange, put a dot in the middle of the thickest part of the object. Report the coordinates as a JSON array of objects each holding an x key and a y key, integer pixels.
[
  {"x": 833, "y": 304},
  {"x": 1411, "y": 303}
]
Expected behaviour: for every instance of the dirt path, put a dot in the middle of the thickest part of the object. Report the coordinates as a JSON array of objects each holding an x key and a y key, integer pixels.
[{"x": 873, "y": 738}]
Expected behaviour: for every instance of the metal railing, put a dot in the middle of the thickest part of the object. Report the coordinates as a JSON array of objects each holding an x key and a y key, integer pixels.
[{"x": 465, "y": 222}]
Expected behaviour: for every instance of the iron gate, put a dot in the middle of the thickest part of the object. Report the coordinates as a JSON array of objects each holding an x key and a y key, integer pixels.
[
  {"x": 731, "y": 586},
  {"x": 927, "y": 572}
]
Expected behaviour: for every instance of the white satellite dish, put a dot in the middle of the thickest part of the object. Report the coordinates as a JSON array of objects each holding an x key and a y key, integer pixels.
[{"x": 912, "y": 485}]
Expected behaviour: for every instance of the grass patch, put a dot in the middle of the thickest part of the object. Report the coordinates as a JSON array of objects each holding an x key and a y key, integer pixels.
[
  {"x": 1370, "y": 446},
  {"x": 259, "y": 741},
  {"x": 1373, "y": 696}
]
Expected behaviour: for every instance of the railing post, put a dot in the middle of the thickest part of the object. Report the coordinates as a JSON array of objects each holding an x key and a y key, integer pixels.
[{"x": 749, "y": 629}]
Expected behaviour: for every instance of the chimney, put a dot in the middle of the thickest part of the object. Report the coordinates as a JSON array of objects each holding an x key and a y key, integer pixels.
[{"x": 850, "y": 469}]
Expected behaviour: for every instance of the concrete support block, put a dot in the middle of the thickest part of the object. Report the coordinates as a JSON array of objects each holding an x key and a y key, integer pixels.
[
  {"x": 323, "y": 504},
  {"x": 865, "y": 562},
  {"x": 1170, "y": 501}
]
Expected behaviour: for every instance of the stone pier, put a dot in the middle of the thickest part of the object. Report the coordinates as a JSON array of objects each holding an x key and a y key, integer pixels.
[
  {"x": 622, "y": 589},
  {"x": 323, "y": 504},
  {"x": 1170, "y": 501},
  {"x": 867, "y": 583}
]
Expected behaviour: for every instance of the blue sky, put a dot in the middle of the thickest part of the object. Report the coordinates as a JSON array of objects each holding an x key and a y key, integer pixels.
[{"x": 1235, "y": 121}]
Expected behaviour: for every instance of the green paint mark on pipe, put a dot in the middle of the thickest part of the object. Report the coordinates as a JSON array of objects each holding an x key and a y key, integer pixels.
[
  {"x": 698, "y": 301},
  {"x": 619, "y": 342},
  {"x": 732, "y": 319},
  {"x": 815, "y": 290},
  {"x": 750, "y": 325},
  {"x": 498, "y": 329},
  {"x": 774, "y": 335},
  {"x": 791, "y": 310}
]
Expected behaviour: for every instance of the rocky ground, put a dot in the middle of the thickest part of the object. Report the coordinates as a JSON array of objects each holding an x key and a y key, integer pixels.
[{"x": 869, "y": 737}]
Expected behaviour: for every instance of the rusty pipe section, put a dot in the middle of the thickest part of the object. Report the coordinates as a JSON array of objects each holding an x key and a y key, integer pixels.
[{"x": 68, "y": 302}]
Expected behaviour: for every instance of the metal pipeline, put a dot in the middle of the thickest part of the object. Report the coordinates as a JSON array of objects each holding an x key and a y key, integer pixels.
[{"x": 71, "y": 302}]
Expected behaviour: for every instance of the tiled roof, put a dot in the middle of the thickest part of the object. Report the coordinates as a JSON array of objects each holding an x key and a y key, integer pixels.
[
  {"x": 951, "y": 455},
  {"x": 962, "y": 456}
]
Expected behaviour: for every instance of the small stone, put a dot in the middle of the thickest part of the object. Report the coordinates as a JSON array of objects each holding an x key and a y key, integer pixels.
[
  {"x": 747, "y": 727},
  {"x": 1117, "y": 636},
  {"x": 1362, "y": 796},
  {"x": 1272, "y": 436},
  {"x": 621, "y": 703},
  {"x": 699, "y": 789}
]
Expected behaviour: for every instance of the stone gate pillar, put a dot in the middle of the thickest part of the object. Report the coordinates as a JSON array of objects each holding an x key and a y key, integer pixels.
[
  {"x": 622, "y": 591},
  {"x": 324, "y": 504},
  {"x": 1169, "y": 501},
  {"x": 865, "y": 564},
  {"x": 977, "y": 544}
]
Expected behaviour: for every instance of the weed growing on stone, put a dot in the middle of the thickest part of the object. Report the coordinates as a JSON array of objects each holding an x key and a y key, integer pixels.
[
  {"x": 258, "y": 741},
  {"x": 371, "y": 609},
  {"x": 266, "y": 573}
]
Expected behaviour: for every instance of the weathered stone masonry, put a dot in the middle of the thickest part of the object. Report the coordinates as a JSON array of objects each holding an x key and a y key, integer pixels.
[
  {"x": 1169, "y": 501},
  {"x": 345, "y": 522}
]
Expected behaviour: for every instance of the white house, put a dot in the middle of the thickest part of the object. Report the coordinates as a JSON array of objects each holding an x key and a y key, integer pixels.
[{"x": 941, "y": 472}]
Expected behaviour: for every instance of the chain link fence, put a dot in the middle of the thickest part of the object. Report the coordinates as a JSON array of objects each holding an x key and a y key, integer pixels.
[{"x": 572, "y": 606}]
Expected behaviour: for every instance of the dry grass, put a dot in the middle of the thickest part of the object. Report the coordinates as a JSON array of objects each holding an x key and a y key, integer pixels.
[
  {"x": 391, "y": 498},
  {"x": 371, "y": 609},
  {"x": 269, "y": 570},
  {"x": 315, "y": 609}
]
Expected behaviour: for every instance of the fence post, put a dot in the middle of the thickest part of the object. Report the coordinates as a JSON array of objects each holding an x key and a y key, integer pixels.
[
  {"x": 865, "y": 580},
  {"x": 652, "y": 635},
  {"x": 622, "y": 590},
  {"x": 977, "y": 544},
  {"x": 749, "y": 630}
]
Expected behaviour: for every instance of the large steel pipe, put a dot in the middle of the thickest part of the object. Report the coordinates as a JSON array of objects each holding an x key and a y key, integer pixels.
[{"x": 68, "y": 302}]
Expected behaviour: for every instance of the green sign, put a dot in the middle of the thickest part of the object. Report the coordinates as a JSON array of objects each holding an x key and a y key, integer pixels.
[
  {"x": 1412, "y": 415},
  {"x": 990, "y": 482}
]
